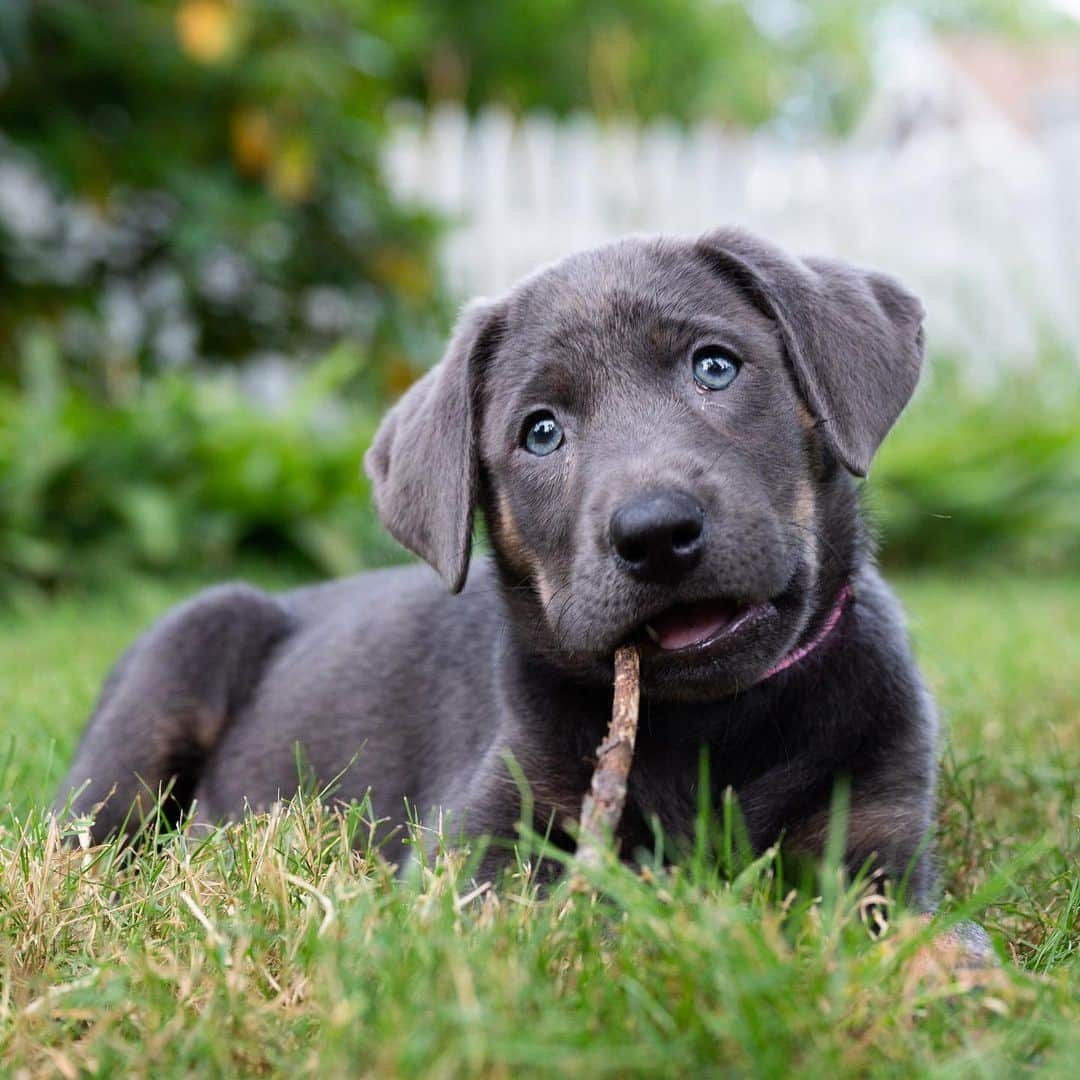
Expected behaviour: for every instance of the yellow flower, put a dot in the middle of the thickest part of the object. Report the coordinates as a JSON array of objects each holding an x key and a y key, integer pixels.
[
  {"x": 292, "y": 173},
  {"x": 206, "y": 29},
  {"x": 403, "y": 272},
  {"x": 398, "y": 374},
  {"x": 253, "y": 141}
]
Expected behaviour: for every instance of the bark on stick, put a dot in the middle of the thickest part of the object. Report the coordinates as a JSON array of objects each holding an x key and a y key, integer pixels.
[{"x": 603, "y": 805}]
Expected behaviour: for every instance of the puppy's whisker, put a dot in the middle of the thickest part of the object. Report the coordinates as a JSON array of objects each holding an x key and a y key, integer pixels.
[{"x": 542, "y": 621}]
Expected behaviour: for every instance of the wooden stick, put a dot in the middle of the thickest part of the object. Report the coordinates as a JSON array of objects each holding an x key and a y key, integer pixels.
[{"x": 603, "y": 804}]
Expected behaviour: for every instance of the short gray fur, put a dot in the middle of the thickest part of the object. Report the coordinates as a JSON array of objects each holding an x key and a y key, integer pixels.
[{"x": 419, "y": 695}]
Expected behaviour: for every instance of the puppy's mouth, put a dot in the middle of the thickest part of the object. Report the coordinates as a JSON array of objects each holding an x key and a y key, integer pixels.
[{"x": 688, "y": 627}]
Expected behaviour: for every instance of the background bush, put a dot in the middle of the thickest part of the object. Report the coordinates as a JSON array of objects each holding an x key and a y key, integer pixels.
[
  {"x": 186, "y": 473},
  {"x": 198, "y": 181},
  {"x": 984, "y": 479}
]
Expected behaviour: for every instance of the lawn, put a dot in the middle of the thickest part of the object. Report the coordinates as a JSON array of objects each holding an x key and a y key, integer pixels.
[{"x": 273, "y": 946}]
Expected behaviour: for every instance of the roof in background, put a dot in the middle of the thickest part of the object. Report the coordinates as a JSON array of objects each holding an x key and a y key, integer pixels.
[{"x": 1031, "y": 83}]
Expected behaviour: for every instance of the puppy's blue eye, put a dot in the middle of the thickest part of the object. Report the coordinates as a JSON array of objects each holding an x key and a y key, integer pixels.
[
  {"x": 543, "y": 433},
  {"x": 714, "y": 368}
]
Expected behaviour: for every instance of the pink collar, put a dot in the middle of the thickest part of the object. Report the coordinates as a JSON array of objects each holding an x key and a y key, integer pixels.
[{"x": 827, "y": 627}]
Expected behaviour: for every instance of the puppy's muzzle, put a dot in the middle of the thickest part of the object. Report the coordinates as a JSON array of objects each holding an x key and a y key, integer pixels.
[{"x": 657, "y": 537}]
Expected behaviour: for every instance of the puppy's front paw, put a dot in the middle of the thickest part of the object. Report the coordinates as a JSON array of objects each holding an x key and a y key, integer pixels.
[{"x": 962, "y": 955}]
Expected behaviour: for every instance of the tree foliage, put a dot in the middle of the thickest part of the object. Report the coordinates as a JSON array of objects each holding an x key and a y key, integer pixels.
[
  {"x": 807, "y": 66},
  {"x": 199, "y": 179},
  {"x": 741, "y": 63}
]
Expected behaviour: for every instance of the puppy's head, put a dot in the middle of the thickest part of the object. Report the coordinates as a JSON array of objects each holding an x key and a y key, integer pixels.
[{"x": 661, "y": 434}]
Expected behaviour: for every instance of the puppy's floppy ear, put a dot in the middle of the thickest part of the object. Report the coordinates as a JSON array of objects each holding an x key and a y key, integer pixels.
[
  {"x": 424, "y": 464},
  {"x": 854, "y": 337}
]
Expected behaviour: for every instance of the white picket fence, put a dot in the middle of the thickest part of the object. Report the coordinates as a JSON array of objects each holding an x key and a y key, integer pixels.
[{"x": 983, "y": 224}]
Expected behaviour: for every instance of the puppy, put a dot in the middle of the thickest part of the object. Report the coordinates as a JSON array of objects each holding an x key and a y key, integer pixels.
[{"x": 663, "y": 436}]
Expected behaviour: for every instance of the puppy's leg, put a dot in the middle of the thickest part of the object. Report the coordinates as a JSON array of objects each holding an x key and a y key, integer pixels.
[
  {"x": 888, "y": 834},
  {"x": 165, "y": 705}
]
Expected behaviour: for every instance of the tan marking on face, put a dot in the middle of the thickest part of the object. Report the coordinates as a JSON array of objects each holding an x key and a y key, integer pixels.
[
  {"x": 803, "y": 415},
  {"x": 545, "y": 589},
  {"x": 517, "y": 552},
  {"x": 511, "y": 543},
  {"x": 804, "y": 514},
  {"x": 805, "y": 504}
]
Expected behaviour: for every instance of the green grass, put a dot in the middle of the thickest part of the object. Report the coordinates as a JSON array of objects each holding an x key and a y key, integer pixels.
[{"x": 273, "y": 946}]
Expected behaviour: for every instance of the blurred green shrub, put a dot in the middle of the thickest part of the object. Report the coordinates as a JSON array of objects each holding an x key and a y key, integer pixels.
[
  {"x": 186, "y": 474},
  {"x": 198, "y": 179},
  {"x": 984, "y": 477}
]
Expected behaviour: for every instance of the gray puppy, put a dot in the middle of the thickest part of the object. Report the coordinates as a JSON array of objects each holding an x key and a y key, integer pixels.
[{"x": 663, "y": 436}]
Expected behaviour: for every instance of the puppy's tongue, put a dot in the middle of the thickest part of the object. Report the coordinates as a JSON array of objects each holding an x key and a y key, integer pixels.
[{"x": 690, "y": 624}]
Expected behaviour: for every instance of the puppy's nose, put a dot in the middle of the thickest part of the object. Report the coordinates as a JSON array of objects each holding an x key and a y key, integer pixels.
[{"x": 658, "y": 536}]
